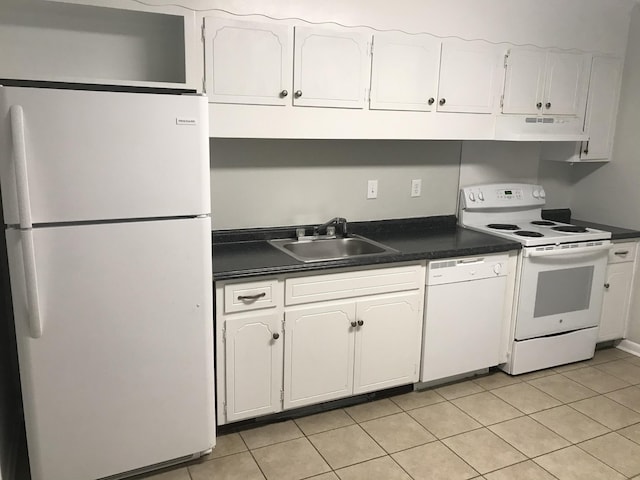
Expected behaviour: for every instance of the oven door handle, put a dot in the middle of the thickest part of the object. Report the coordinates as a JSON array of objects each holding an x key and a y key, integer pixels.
[{"x": 567, "y": 251}]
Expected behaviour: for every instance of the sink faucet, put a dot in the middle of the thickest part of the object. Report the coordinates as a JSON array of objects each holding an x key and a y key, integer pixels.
[{"x": 337, "y": 221}]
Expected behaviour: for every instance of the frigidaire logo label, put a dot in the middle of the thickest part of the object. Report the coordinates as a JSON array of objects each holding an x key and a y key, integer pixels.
[{"x": 186, "y": 121}]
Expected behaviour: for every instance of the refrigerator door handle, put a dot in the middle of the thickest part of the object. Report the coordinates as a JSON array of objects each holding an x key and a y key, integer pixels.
[
  {"x": 20, "y": 163},
  {"x": 31, "y": 281},
  {"x": 24, "y": 212}
]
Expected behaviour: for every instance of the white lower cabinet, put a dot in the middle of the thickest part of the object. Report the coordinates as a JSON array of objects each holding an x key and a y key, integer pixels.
[
  {"x": 338, "y": 349},
  {"x": 387, "y": 349},
  {"x": 253, "y": 354},
  {"x": 331, "y": 336},
  {"x": 318, "y": 353},
  {"x": 617, "y": 291}
]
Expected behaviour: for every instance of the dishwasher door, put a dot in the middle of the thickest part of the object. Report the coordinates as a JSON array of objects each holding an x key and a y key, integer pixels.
[{"x": 464, "y": 316}]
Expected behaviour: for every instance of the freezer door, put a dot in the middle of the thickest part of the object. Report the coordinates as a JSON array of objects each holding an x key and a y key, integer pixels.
[
  {"x": 104, "y": 155},
  {"x": 122, "y": 376}
]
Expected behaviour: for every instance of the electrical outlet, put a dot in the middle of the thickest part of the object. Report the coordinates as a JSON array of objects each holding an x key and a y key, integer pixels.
[
  {"x": 416, "y": 187},
  {"x": 372, "y": 189}
]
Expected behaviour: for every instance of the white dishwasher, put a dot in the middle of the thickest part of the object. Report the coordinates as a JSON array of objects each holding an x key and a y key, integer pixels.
[{"x": 464, "y": 315}]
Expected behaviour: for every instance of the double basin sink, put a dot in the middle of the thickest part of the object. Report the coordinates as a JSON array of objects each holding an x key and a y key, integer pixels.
[{"x": 322, "y": 248}]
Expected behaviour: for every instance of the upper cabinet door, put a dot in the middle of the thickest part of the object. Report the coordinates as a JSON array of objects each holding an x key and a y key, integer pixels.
[
  {"x": 468, "y": 77},
  {"x": 331, "y": 68},
  {"x": 566, "y": 83},
  {"x": 247, "y": 62},
  {"x": 524, "y": 81},
  {"x": 602, "y": 106},
  {"x": 404, "y": 72}
]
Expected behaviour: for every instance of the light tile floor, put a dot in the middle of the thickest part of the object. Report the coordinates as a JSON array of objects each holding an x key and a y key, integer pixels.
[{"x": 578, "y": 421}]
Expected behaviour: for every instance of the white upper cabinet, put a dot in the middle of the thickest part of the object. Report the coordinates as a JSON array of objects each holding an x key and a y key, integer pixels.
[
  {"x": 247, "y": 62},
  {"x": 545, "y": 82},
  {"x": 331, "y": 67},
  {"x": 524, "y": 81},
  {"x": 469, "y": 77},
  {"x": 404, "y": 73},
  {"x": 602, "y": 107}
]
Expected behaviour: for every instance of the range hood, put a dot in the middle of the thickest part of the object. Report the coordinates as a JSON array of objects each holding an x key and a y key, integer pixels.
[{"x": 539, "y": 128}]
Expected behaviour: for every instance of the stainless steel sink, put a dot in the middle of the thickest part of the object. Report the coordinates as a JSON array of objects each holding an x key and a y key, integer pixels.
[{"x": 317, "y": 249}]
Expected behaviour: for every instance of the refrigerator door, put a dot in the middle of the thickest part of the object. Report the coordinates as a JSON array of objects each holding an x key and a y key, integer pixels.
[
  {"x": 122, "y": 375},
  {"x": 104, "y": 155}
]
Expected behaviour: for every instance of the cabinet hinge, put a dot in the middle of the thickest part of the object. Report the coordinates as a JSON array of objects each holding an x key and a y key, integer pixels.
[
  {"x": 506, "y": 60},
  {"x": 202, "y": 32},
  {"x": 370, "y": 44},
  {"x": 501, "y": 101},
  {"x": 224, "y": 407},
  {"x": 282, "y": 395},
  {"x": 224, "y": 333}
]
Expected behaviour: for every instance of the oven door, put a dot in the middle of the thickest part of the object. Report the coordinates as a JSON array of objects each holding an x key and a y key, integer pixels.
[{"x": 561, "y": 289}]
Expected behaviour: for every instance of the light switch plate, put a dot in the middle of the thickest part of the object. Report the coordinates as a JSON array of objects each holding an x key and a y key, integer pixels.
[{"x": 372, "y": 189}]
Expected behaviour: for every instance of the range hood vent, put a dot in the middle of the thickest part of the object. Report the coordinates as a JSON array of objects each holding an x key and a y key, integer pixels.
[{"x": 541, "y": 128}]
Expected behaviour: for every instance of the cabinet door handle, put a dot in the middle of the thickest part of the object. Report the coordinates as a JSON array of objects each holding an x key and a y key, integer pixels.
[
  {"x": 621, "y": 253},
  {"x": 539, "y": 105},
  {"x": 251, "y": 298},
  {"x": 607, "y": 285},
  {"x": 547, "y": 105},
  {"x": 442, "y": 101},
  {"x": 284, "y": 93},
  {"x": 431, "y": 101},
  {"x": 360, "y": 323},
  {"x": 354, "y": 324},
  {"x": 276, "y": 336},
  {"x": 298, "y": 94}
]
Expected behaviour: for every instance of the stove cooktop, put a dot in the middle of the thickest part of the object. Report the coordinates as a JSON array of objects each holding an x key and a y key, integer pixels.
[
  {"x": 541, "y": 232},
  {"x": 514, "y": 212}
]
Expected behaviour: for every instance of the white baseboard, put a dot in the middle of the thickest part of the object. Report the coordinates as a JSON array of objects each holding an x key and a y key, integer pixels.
[{"x": 629, "y": 347}]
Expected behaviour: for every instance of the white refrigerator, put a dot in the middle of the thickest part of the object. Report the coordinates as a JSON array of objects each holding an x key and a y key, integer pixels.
[{"x": 107, "y": 217}]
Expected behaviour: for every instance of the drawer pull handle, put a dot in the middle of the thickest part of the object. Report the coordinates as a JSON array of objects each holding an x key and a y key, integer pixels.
[
  {"x": 621, "y": 252},
  {"x": 251, "y": 298},
  {"x": 276, "y": 336},
  {"x": 354, "y": 324},
  {"x": 607, "y": 285},
  {"x": 360, "y": 323}
]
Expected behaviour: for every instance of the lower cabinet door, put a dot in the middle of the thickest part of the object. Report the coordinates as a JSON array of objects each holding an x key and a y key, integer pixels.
[
  {"x": 615, "y": 304},
  {"x": 318, "y": 363},
  {"x": 388, "y": 338},
  {"x": 253, "y": 350}
]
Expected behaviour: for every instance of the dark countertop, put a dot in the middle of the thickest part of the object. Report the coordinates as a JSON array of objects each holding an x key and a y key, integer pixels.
[
  {"x": 246, "y": 253},
  {"x": 564, "y": 215}
]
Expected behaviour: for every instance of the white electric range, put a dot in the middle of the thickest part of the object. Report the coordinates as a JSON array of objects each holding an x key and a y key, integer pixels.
[{"x": 559, "y": 280}]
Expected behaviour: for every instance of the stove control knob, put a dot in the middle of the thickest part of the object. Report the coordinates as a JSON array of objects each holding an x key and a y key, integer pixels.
[
  {"x": 472, "y": 197},
  {"x": 481, "y": 196},
  {"x": 497, "y": 268},
  {"x": 536, "y": 194},
  {"x": 542, "y": 194}
]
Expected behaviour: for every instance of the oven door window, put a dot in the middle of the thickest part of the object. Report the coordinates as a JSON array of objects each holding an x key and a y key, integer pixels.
[
  {"x": 562, "y": 291},
  {"x": 559, "y": 294}
]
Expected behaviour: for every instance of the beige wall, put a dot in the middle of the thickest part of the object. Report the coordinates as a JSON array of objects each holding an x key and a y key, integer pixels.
[{"x": 258, "y": 183}]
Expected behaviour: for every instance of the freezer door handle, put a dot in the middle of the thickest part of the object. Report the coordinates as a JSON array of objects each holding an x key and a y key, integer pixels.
[
  {"x": 20, "y": 163},
  {"x": 31, "y": 281}
]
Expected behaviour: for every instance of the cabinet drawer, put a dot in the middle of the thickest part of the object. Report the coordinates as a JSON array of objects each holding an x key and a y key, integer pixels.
[
  {"x": 623, "y": 252},
  {"x": 353, "y": 284},
  {"x": 241, "y": 297}
]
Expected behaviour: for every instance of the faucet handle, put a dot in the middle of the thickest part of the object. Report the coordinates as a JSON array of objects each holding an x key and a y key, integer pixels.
[
  {"x": 300, "y": 232},
  {"x": 331, "y": 231}
]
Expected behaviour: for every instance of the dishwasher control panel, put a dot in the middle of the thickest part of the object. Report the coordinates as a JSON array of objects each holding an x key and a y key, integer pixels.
[{"x": 465, "y": 269}]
